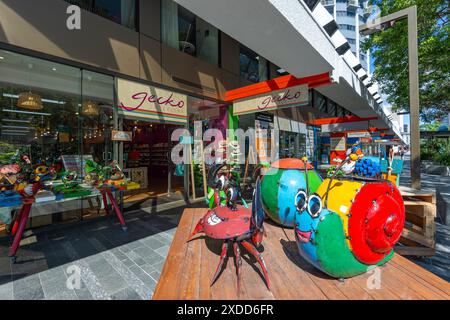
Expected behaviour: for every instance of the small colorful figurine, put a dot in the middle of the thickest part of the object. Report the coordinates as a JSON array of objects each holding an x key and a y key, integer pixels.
[{"x": 236, "y": 225}]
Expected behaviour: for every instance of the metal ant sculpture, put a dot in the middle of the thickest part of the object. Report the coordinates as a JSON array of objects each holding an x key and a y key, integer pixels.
[{"x": 236, "y": 225}]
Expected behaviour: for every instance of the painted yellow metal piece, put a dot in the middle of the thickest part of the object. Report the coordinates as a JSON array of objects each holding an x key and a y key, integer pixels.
[
  {"x": 340, "y": 198},
  {"x": 392, "y": 177}
]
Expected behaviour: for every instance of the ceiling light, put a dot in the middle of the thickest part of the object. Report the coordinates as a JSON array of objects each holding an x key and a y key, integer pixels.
[
  {"x": 16, "y": 127},
  {"x": 14, "y": 133},
  {"x": 2, "y": 58},
  {"x": 54, "y": 69},
  {"x": 28, "y": 100},
  {"x": 16, "y": 120},
  {"x": 27, "y": 112},
  {"x": 15, "y": 96}
]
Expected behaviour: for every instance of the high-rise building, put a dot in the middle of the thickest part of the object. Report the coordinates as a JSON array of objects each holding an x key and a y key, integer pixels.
[{"x": 349, "y": 14}]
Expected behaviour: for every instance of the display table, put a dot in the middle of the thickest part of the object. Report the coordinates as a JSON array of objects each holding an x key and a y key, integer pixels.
[
  {"x": 18, "y": 227},
  {"x": 189, "y": 268}
]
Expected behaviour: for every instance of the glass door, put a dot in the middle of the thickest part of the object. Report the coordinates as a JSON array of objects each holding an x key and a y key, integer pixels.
[{"x": 97, "y": 116}]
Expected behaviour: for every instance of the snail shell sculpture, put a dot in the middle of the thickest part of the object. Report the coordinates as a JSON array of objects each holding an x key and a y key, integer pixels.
[
  {"x": 280, "y": 184},
  {"x": 349, "y": 225}
]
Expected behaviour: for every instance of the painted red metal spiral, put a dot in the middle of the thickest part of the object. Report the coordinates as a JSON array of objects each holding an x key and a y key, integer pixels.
[{"x": 377, "y": 217}]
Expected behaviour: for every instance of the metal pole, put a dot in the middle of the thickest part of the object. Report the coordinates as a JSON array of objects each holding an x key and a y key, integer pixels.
[{"x": 413, "y": 62}]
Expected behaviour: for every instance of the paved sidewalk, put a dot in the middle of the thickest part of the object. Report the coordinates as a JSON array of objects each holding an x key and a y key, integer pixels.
[
  {"x": 439, "y": 264},
  {"x": 112, "y": 264}
]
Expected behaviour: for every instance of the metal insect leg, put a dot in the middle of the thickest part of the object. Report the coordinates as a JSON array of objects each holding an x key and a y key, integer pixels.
[
  {"x": 258, "y": 256},
  {"x": 238, "y": 260},
  {"x": 223, "y": 255}
]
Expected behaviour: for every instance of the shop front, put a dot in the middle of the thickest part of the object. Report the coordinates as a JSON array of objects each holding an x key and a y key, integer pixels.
[{"x": 62, "y": 116}]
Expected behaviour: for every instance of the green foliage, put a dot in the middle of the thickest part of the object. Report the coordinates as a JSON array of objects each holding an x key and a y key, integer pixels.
[
  {"x": 437, "y": 150},
  {"x": 390, "y": 52}
]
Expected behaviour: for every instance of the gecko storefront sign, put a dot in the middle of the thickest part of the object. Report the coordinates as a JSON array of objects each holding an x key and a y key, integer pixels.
[
  {"x": 138, "y": 100},
  {"x": 289, "y": 97}
]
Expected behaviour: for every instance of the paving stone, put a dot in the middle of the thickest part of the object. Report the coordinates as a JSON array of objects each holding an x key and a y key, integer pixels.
[
  {"x": 29, "y": 293},
  {"x": 56, "y": 287},
  {"x": 163, "y": 251},
  {"x": 133, "y": 281},
  {"x": 128, "y": 262},
  {"x": 64, "y": 295},
  {"x": 101, "y": 267},
  {"x": 148, "y": 268},
  {"x": 159, "y": 266},
  {"x": 155, "y": 275},
  {"x": 26, "y": 282},
  {"x": 119, "y": 254},
  {"x": 6, "y": 291},
  {"x": 53, "y": 273},
  {"x": 113, "y": 283},
  {"x": 83, "y": 292},
  {"x": 143, "y": 276},
  {"x": 153, "y": 243},
  {"x": 126, "y": 294}
]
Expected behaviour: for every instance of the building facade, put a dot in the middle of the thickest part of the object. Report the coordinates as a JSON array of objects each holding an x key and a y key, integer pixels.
[
  {"x": 75, "y": 75},
  {"x": 349, "y": 14}
]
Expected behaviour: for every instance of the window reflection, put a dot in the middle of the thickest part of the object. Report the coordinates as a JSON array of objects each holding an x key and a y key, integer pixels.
[
  {"x": 253, "y": 67},
  {"x": 119, "y": 11},
  {"x": 183, "y": 30}
]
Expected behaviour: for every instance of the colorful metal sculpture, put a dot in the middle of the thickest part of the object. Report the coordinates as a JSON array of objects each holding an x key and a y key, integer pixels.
[
  {"x": 223, "y": 186},
  {"x": 280, "y": 185},
  {"x": 350, "y": 225},
  {"x": 236, "y": 225}
]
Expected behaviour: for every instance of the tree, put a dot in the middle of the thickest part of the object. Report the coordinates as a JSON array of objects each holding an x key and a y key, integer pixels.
[{"x": 390, "y": 53}]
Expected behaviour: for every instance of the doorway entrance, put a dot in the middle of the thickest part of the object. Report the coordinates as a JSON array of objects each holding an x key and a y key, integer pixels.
[{"x": 146, "y": 160}]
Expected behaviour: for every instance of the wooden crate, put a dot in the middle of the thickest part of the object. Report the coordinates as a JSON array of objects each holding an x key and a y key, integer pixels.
[{"x": 418, "y": 236}]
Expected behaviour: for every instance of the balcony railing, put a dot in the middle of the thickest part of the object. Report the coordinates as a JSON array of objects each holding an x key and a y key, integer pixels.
[
  {"x": 352, "y": 4},
  {"x": 327, "y": 2}
]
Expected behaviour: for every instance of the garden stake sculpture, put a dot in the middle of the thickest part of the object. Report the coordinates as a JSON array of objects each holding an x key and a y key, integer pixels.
[{"x": 236, "y": 225}]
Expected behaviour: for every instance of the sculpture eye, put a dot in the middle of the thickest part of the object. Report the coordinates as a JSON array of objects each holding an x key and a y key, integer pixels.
[
  {"x": 314, "y": 205},
  {"x": 300, "y": 200}
]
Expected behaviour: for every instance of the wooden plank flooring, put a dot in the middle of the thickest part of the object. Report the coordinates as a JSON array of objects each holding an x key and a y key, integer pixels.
[{"x": 189, "y": 268}]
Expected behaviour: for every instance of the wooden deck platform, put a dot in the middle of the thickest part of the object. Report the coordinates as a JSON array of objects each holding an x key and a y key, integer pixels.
[{"x": 189, "y": 268}]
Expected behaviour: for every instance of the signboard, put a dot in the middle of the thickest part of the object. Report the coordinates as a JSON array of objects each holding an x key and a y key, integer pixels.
[
  {"x": 150, "y": 103},
  {"x": 117, "y": 135},
  {"x": 338, "y": 143},
  {"x": 284, "y": 124},
  {"x": 288, "y": 97},
  {"x": 361, "y": 134}
]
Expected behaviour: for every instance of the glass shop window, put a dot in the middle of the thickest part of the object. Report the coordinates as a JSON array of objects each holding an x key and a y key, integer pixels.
[
  {"x": 332, "y": 108},
  {"x": 253, "y": 67},
  {"x": 123, "y": 12},
  {"x": 97, "y": 116},
  {"x": 39, "y": 103},
  {"x": 320, "y": 102},
  {"x": 183, "y": 30}
]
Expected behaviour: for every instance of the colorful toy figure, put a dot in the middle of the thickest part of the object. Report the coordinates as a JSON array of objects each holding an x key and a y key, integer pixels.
[
  {"x": 350, "y": 225},
  {"x": 236, "y": 225},
  {"x": 223, "y": 187},
  {"x": 279, "y": 186}
]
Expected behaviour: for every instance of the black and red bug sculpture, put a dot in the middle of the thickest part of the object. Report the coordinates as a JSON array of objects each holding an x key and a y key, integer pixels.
[{"x": 238, "y": 226}]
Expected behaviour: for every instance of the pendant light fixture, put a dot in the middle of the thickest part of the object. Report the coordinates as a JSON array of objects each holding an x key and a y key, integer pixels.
[
  {"x": 90, "y": 108},
  {"x": 29, "y": 100}
]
